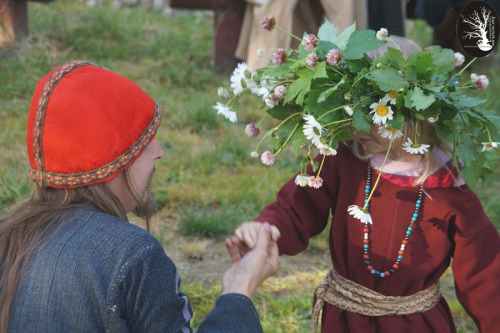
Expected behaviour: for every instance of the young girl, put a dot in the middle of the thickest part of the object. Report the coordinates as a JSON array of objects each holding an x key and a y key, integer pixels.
[{"x": 388, "y": 256}]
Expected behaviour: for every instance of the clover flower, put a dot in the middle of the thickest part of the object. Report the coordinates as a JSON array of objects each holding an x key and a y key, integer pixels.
[
  {"x": 360, "y": 213},
  {"x": 382, "y": 34},
  {"x": 459, "y": 59},
  {"x": 254, "y": 154},
  {"x": 271, "y": 101},
  {"x": 311, "y": 60},
  {"x": 251, "y": 130},
  {"x": 260, "y": 53},
  {"x": 267, "y": 158},
  {"x": 222, "y": 93},
  {"x": 333, "y": 57},
  {"x": 280, "y": 92},
  {"x": 415, "y": 148},
  {"x": 302, "y": 180},
  {"x": 225, "y": 111},
  {"x": 390, "y": 97},
  {"x": 312, "y": 129},
  {"x": 280, "y": 56},
  {"x": 389, "y": 132},
  {"x": 487, "y": 146},
  {"x": 315, "y": 181},
  {"x": 268, "y": 23},
  {"x": 381, "y": 112},
  {"x": 481, "y": 81},
  {"x": 310, "y": 42},
  {"x": 348, "y": 110}
]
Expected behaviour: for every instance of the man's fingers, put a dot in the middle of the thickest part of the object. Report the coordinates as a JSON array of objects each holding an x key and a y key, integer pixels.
[{"x": 233, "y": 250}]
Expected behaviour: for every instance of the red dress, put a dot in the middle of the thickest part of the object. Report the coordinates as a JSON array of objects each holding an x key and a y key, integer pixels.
[{"x": 451, "y": 225}]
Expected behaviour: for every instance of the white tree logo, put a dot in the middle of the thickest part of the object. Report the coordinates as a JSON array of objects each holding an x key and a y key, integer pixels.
[{"x": 479, "y": 26}]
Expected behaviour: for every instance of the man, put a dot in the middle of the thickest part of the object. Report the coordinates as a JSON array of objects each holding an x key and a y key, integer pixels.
[{"x": 69, "y": 260}]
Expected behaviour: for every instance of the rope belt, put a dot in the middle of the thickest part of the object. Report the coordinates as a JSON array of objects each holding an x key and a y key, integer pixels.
[{"x": 350, "y": 296}]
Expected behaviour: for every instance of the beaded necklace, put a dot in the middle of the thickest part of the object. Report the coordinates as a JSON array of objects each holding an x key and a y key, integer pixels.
[{"x": 404, "y": 242}]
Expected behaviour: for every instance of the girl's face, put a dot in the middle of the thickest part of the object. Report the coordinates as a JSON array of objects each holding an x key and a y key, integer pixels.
[{"x": 373, "y": 142}]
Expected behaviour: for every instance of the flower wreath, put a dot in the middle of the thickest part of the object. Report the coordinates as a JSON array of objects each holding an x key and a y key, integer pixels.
[{"x": 328, "y": 85}]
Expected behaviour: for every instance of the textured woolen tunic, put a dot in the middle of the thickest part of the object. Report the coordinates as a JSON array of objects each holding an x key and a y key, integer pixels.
[{"x": 451, "y": 227}]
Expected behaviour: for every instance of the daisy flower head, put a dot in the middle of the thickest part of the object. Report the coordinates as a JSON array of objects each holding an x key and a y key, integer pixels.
[
  {"x": 459, "y": 59},
  {"x": 315, "y": 181},
  {"x": 333, "y": 57},
  {"x": 242, "y": 78},
  {"x": 254, "y": 154},
  {"x": 382, "y": 34},
  {"x": 312, "y": 129},
  {"x": 302, "y": 180},
  {"x": 360, "y": 213},
  {"x": 487, "y": 146},
  {"x": 222, "y": 93},
  {"x": 389, "y": 132},
  {"x": 311, "y": 60},
  {"x": 381, "y": 112},
  {"x": 326, "y": 150},
  {"x": 415, "y": 148},
  {"x": 225, "y": 111},
  {"x": 310, "y": 42},
  {"x": 390, "y": 97},
  {"x": 268, "y": 23},
  {"x": 348, "y": 110},
  {"x": 280, "y": 92},
  {"x": 481, "y": 81},
  {"x": 280, "y": 56},
  {"x": 251, "y": 130},
  {"x": 267, "y": 158}
]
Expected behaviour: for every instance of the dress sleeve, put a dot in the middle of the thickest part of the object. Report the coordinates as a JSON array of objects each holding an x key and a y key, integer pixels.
[
  {"x": 476, "y": 265},
  {"x": 301, "y": 212},
  {"x": 232, "y": 313}
]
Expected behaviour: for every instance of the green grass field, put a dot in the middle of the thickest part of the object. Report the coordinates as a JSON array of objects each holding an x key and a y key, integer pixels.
[{"x": 207, "y": 183}]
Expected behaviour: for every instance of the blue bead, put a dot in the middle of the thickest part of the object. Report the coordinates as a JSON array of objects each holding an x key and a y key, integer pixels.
[
  {"x": 400, "y": 257},
  {"x": 414, "y": 219},
  {"x": 419, "y": 202},
  {"x": 417, "y": 205},
  {"x": 373, "y": 271},
  {"x": 408, "y": 232},
  {"x": 366, "y": 246},
  {"x": 382, "y": 274},
  {"x": 367, "y": 262},
  {"x": 392, "y": 270},
  {"x": 410, "y": 228}
]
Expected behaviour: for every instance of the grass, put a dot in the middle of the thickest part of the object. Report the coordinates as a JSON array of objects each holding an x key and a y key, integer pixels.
[{"x": 206, "y": 184}]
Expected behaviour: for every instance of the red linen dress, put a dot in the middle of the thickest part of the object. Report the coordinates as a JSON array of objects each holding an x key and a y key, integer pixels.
[{"x": 451, "y": 225}]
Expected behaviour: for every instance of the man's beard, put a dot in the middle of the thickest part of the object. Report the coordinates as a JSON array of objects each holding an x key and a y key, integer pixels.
[{"x": 147, "y": 206}]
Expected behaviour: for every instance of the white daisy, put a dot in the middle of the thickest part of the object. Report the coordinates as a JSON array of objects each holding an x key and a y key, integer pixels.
[
  {"x": 225, "y": 111},
  {"x": 301, "y": 180},
  {"x": 487, "y": 146},
  {"x": 348, "y": 110},
  {"x": 390, "y": 97},
  {"x": 222, "y": 92},
  {"x": 324, "y": 149},
  {"x": 360, "y": 214},
  {"x": 242, "y": 78},
  {"x": 389, "y": 132},
  {"x": 381, "y": 112},
  {"x": 382, "y": 34},
  {"x": 415, "y": 148},
  {"x": 312, "y": 129}
]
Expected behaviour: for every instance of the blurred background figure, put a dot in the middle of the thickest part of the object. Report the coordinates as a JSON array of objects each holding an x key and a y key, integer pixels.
[{"x": 297, "y": 16}]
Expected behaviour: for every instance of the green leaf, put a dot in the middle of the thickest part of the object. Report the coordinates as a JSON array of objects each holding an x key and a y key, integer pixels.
[
  {"x": 285, "y": 132},
  {"x": 419, "y": 100},
  {"x": 356, "y": 65},
  {"x": 417, "y": 67},
  {"x": 327, "y": 32},
  {"x": 326, "y": 93},
  {"x": 444, "y": 59},
  {"x": 299, "y": 87},
  {"x": 360, "y": 121},
  {"x": 341, "y": 40},
  {"x": 281, "y": 112},
  {"x": 278, "y": 71},
  {"x": 360, "y": 42},
  {"x": 466, "y": 101},
  {"x": 388, "y": 79},
  {"x": 320, "y": 70}
]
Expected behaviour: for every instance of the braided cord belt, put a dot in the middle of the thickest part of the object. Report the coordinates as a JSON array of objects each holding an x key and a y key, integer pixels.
[{"x": 350, "y": 296}]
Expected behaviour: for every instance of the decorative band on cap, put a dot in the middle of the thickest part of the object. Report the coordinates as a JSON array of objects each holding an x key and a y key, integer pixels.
[{"x": 46, "y": 178}]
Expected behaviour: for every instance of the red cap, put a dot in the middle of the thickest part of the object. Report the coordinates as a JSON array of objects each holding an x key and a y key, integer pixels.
[{"x": 87, "y": 124}]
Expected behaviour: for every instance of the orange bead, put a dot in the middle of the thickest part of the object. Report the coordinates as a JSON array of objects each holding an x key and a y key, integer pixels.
[
  {"x": 366, "y": 257},
  {"x": 366, "y": 241},
  {"x": 387, "y": 273},
  {"x": 400, "y": 252},
  {"x": 365, "y": 230},
  {"x": 369, "y": 267},
  {"x": 395, "y": 266},
  {"x": 405, "y": 241}
]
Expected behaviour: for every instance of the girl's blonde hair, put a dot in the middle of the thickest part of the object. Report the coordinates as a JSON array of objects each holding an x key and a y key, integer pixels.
[{"x": 426, "y": 132}]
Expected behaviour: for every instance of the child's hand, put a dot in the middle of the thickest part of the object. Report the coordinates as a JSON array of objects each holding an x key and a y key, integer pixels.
[{"x": 248, "y": 231}]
